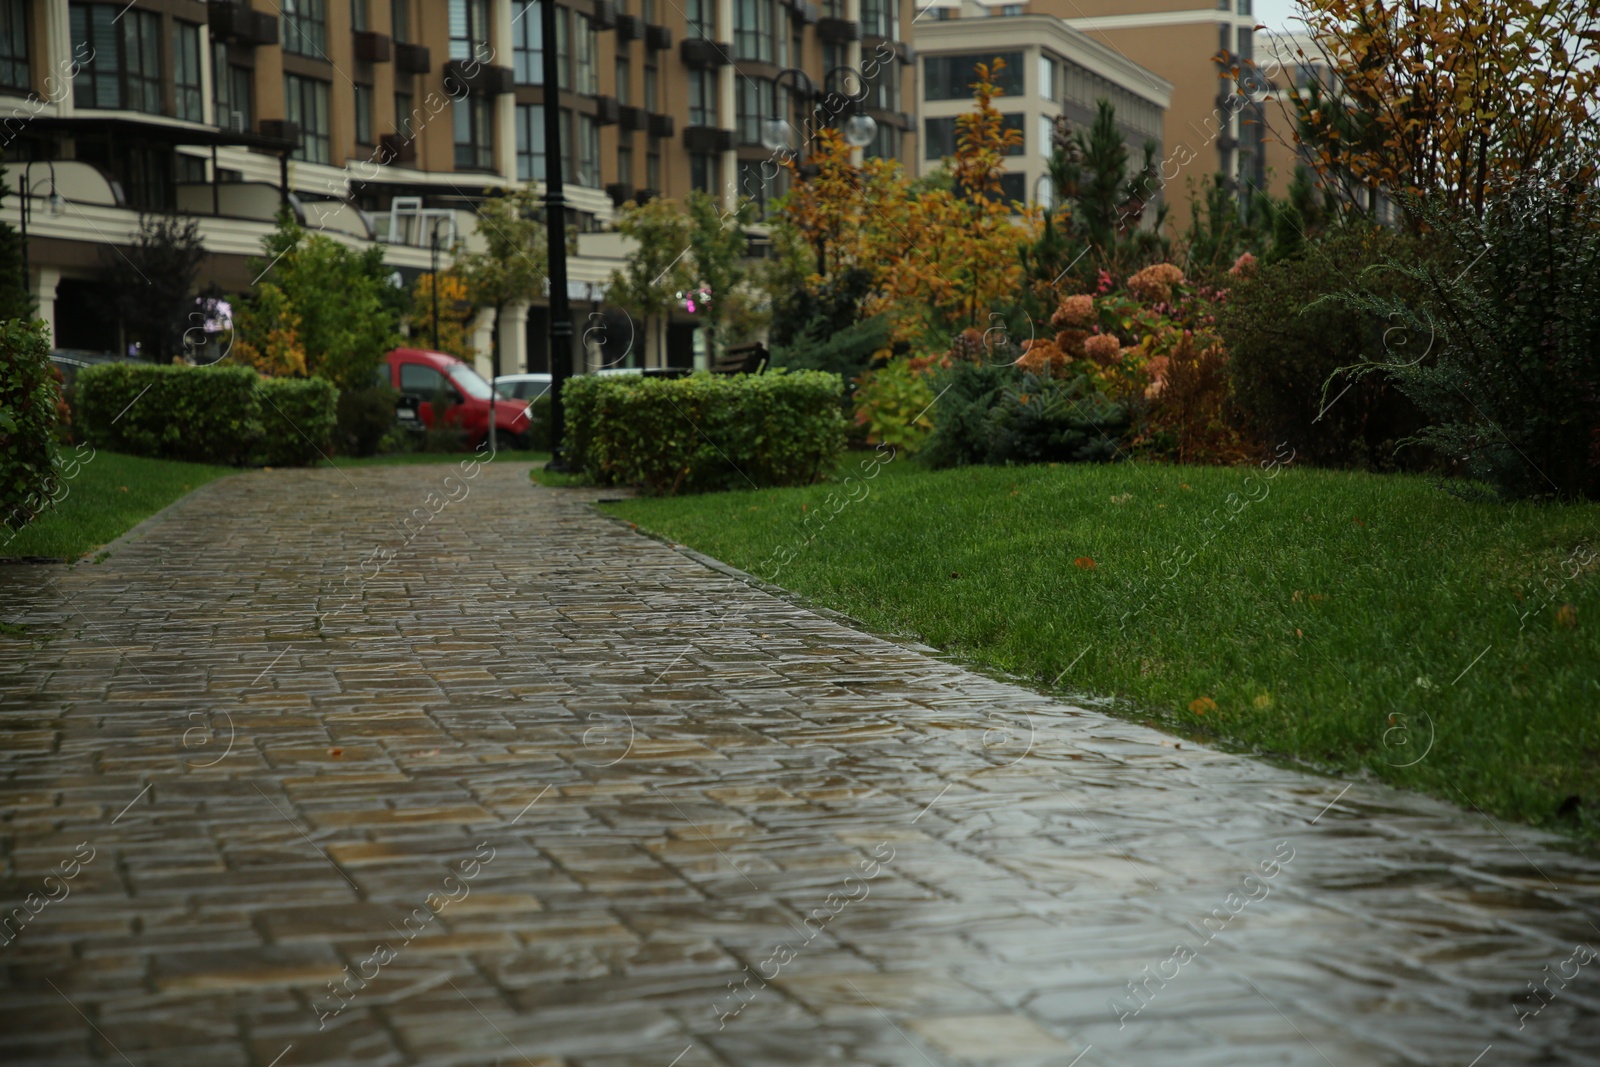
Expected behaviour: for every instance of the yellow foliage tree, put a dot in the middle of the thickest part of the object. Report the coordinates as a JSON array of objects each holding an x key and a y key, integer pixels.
[
  {"x": 266, "y": 334},
  {"x": 455, "y": 315}
]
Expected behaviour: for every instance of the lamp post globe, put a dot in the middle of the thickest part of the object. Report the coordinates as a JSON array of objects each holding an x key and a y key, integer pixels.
[
  {"x": 776, "y": 135},
  {"x": 859, "y": 130}
]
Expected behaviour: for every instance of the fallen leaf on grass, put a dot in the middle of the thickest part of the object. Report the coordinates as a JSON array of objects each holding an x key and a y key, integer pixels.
[
  {"x": 336, "y": 753},
  {"x": 1201, "y": 705},
  {"x": 1123, "y": 499},
  {"x": 122, "y": 489},
  {"x": 1085, "y": 563},
  {"x": 1262, "y": 701},
  {"x": 1567, "y": 615}
]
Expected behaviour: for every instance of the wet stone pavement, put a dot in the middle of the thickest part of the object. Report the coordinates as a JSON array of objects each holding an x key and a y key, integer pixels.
[{"x": 301, "y": 775}]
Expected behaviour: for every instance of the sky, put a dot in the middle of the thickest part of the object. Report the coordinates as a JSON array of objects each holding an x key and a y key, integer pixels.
[{"x": 1277, "y": 15}]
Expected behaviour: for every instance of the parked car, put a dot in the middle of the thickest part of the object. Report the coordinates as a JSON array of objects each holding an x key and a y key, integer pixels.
[
  {"x": 523, "y": 386},
  {"x": 422, "y": 376}
]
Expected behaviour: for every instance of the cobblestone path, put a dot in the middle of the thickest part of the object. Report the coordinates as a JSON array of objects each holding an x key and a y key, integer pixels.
[{"x": 535, "y": 789}]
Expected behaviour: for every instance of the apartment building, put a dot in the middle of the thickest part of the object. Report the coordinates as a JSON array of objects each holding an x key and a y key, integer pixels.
[
  {"x": 388, "y": 121},
  {"x": 1050, "y": 70}
]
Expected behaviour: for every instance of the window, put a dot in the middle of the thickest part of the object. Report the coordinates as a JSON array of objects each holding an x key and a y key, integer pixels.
[
  {"x": 702, "y": 98},
  {"x": 231, "y": 91},
  {"x": 752, "y": 30},
  {"x": 951, "y": 77},
  {"x": 305, "y": 27},
  {"x": 358, "y": 15},
  {"x": 625, "y": 165},
  {"x": 14, "y": 44},
  {"x": 1014, "y": 122},
  {"x": 1047, "y": 77},
  {"x": 563, "y": 50},
  {"x": 469, "y": 29},
  {"x": 938, "y": 138},
  {"x": 125, "y": 69},
  {"x": 400, "y": 19},
  {"x": 1013, "y": 187},
  {"x": 585, "y": 74},
  {"x": 624, "y": 69},
  {"x": 306, "y": 100},
  {"x": 797, "y": 48},
  {"x": 759, "y": 183},
  {"x": 588, "y": 152},
  {"x": 652, "y": 88},
  {"x": 474, "y": 141},
  {"x": 527, "y": 44},
  {"x": 758, "y": 102},
  {"x": 652, "y": 165},
  {"x": 420, "y": 380},
  {"x": 702, "y": 18},
  {"x": 1010, "y": 10},
  {"x": 880, "y": 18},
  {"x": 530, "y": 142},
  {"x": 187, "y": 96},
  {"x": 363, "y": 98},
  {"x": 1244, "y": 7},
  {"x": 1047, "y": 130},
  {"x": 885, "y": 143},
  {"x": 403, "y": 115},
  {"x": 883, "y": 88},
  {"x": 703, "y": 172},
  {"x": 647, "y": 11}
]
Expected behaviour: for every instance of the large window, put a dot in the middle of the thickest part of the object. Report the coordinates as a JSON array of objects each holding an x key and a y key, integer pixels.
[
  {"x": 703, "y": 172},
  {"x": 307, "y": 103},
  {"x": 400, "y": 19},
  {"x": 125, "y": 69},
  {"x": 588, "y": 152},
  {"x": 652, "y": 88},
  {"x": 951, "y": 77},
  {"x": 585, "y": 75},
  {"x": 758, "y": 102},
  {"x": 883, "y": 88},
  {"x": 469, "y": 29},
  {"x": 527, "y": 43},
  {"x": 702, "y": 98},
  {"x": 403, "y": 114},
  {"x": 363, "y": 102},
  {"x": 752, "y": 30},
  {"x": 625, "y": 165},
  {"x": 231, "y": 90},
  {"x": 359, "y": 19},
  {"x": 885, "y": 143},
  {"x": 880, "y": 18},
  {"x": 305, "y": 27},
  {"x": 702, "y": 18},
  {"x": 624, "y": 68},
  {"x": 14, "y": 44},
  {"x": 474, "y": 139},
  {"x": 939, "y": 136},
  {"x": 530, "y": 142},
  {"x": 188, "y": 97}
]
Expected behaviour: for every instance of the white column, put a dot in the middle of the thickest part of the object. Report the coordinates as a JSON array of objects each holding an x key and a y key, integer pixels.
[
  {"x": 514, "y": 338},
  {"x": 482, "y": 331},
  {"x": 727, "y": 107},
  {"x": 42, "y": 284},
  {"x": 505, "y": 105},
  {"x": 58, "y": 55}
]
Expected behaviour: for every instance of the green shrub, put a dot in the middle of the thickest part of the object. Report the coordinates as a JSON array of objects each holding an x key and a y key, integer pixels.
[
  {"x": 29, "y": 460},
  {"x": 1284, "y": 346},
  {"x": 539, "y": 423},
  {"x": 894, "y": 404},
  {"x": 1512, "y": 379},
  {"x": 1052, "y": 420},
  {"x": 298, "y": 418},
  {"x": 366, "y": 416},
  {"x": 967, "y": 390},
  {"x": 705, "y": 432},
  {"x": 199, "y": 414}
]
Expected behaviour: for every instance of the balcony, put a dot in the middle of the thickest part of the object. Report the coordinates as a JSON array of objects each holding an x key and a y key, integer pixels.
[
  {"x": 607, "y": 111},
  {"x": 412, "y": 59},
  {"x": 280, "y": 130},
  {"x": 619, "y": 193},
  {"x": 805, "y": 12},
  {"x": 662, "y": 126},
  {"x": 371, "y": 47},
  {"x": 707, "y": 139},
  {"x": 632, "y": 118},
  {"x": 839, "y": 31},
  {"x": 657, "y": 38},
  {"x": 478, "y": 79},
  {"x": 629, "y": 28},
  {"x": 701, "y": 52},
  {"x": 605, "y": 15},
  {"x": 396, "y": 148},
  {"x": 236, "y": 24},
  {"x": 641, "y": 196}
]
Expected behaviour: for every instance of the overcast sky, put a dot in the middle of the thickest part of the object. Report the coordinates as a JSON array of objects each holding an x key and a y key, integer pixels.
[{"x": 1277, "y": 15}]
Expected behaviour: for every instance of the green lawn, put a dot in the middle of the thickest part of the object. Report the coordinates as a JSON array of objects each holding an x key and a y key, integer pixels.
[
  {"x": 107, "y": 496},
  {"x": 1345, "y": 621}
]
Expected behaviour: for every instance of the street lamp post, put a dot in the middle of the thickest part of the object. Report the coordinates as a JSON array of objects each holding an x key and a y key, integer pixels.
[
  {"x": 24, "y": 209},
  {"x": 433, "y": 277},
  {"x": 556, "y": 225}
]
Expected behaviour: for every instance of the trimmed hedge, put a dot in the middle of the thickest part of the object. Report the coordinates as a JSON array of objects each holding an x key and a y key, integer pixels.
[
  {"x": 227, "y": 415},
  {"x": 298, "y": 417},
  {"x": 704, "y": 432},
  {"x": 29, "y": 460}
]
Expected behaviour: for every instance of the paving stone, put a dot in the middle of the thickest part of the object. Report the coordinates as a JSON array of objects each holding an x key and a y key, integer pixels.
[{"x": 712, "y": 826}]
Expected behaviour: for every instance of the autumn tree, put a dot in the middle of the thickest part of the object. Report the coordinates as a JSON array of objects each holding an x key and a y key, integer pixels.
[
  {"x": 1448, "y": 98},
  {"x": 455, "y": 310},
  {"x": 717, "y": 245},
  {"x": 658, "y": 267}
]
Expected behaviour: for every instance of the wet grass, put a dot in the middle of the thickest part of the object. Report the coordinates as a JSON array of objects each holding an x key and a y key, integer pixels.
[
  {"x": 1350, "y": 621},
  {"x": 102, "y": 498}
]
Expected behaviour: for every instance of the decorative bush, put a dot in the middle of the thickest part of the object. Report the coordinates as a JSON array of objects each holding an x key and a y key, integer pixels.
[
  {"x": 539, "y": 423},
  {"x": 365, "y": 418},
  {"x": 705, "y": 432},
  {"x": 298, "y": 417},
  {"x": 894, "y": 403},
  {"x": 199, "y": 414},
  {"x": 967, "y": 392},
  {"x": 1285, "y": 342},
  {"x": 1054, "y": 420},
  {"x": 29, "y": 460}
]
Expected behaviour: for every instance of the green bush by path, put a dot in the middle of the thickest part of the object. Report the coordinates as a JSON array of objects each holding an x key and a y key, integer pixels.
[
  {"x": 1349, "y": 620},
  {"x": 29, "y": 460},
  {"x": 298, "y": 416},
  {"x": 105, "y": 497},
  {"x": 195, "y": 414},
  {"x": 705, "y": 432}
]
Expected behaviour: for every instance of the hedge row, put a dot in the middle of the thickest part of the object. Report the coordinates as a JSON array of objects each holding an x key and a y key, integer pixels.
[
  {"x": 28, "y": 396},
  {"x": 703, "y": 432},
  {"x": 206, "y": 414}
]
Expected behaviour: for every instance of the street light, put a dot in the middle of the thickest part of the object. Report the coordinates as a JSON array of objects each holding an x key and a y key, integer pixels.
[
  {"x": 555, "y": 221},
  {"x": 860, "y": 128},
  {"x": 55, "y": 201}
]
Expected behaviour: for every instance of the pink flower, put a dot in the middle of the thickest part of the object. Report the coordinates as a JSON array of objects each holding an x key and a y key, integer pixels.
[{"x": 1244, "y": 266}]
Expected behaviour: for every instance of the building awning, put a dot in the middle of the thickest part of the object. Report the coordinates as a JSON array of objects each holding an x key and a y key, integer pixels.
[{"x": 153, "y": 129}]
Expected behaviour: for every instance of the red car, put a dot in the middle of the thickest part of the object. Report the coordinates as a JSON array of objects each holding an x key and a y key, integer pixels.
[{"x": 421, "y": 375}]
